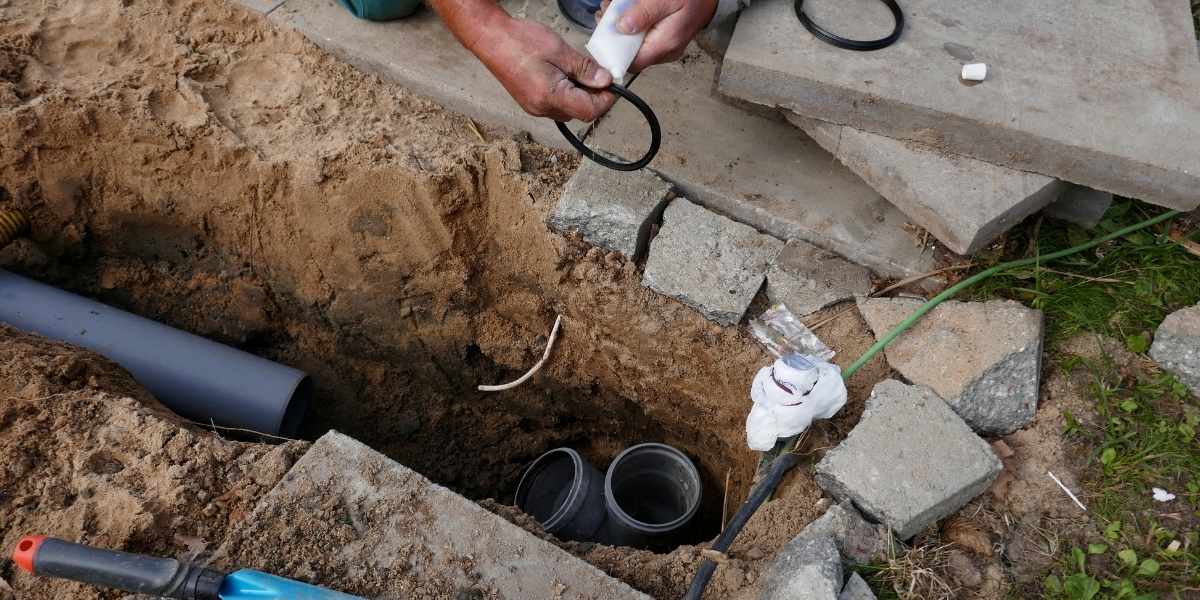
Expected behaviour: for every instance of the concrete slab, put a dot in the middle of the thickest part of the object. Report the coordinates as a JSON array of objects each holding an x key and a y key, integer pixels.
[
  {"x": 856, "y": 589},
  {"x": 964, "y": 202},
  {"x": 807, "y": 568},
  {"x": 611, "y": 209},
  {"x": 806, "y": 278},
  {"x": 983, "y": 358},
  {"x": 1104, "y": 97},
  {"x": 381, "y": 530},
  {"x": 708, "y": 262},
  {"x": 1177, "y": 346},
  {"x": 1080, "y": 205},
  {"x": 909, "y": 462},
  {"x": 750, "y": 167}
]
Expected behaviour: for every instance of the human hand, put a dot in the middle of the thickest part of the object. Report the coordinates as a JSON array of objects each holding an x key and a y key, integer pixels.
[
  {"x": 669, "y": 25},
  {"x": 545, "y": 75}
]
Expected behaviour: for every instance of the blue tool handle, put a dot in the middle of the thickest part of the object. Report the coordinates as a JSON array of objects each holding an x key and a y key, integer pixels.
[{"x": 248, "y": 584}]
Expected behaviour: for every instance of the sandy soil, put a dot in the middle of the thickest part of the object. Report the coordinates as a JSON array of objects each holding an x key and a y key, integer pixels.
[{"x": 89, "y": 456}]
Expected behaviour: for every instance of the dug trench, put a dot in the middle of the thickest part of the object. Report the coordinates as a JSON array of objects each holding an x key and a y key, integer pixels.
[{"x": 190, "y": 163}]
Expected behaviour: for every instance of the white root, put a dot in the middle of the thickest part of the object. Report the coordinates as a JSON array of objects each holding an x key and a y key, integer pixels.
[{"x": 534, "y": 370}]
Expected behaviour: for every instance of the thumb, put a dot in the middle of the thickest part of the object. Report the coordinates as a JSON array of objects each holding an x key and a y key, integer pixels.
[
  {"x": 583, "y": 69},
  {"x": 644, "y": 14}
]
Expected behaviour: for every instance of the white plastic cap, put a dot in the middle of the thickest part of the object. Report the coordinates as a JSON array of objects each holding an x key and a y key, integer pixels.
[{"x": 974, "y": 72}]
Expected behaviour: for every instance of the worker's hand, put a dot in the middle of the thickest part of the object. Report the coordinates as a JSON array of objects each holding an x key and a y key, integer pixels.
[
  {"x": 669, "y": 25},
  {"x": 547, "y": 77}
]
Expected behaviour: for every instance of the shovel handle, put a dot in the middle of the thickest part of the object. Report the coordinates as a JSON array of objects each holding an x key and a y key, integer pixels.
[{"x": 137, "y": 573}]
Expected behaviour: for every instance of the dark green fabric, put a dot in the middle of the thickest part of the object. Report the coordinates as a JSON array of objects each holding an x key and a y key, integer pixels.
[{"x": 382, "y": 10}]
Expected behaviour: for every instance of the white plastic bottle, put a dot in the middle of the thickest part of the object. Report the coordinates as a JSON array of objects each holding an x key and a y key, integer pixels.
[{"x": 612, "y": 49}]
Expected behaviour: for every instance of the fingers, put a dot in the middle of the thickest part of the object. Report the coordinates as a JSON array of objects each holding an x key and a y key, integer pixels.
[
  {"x": 664, "y": 44},
  {"x": 574, "y": 102},
  {"x": 645, "y": 14}
]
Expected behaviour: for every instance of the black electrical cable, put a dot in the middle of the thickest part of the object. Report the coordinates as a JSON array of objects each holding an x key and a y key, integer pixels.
[
  {"x": 761, "y": 492},
  {"x": 651, "y": 119},
  {"x": 862, "y": 45}
]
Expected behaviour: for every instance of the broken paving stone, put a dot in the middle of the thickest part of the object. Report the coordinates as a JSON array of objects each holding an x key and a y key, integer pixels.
[
  {"x": 965, "y": 203},
  {"x": 1080, "y": 205},
  {"x": 806, "y": 278},
  {"x": 611, "y": 209},
  {"x": 392, "y": 529},
  {"x": 909, "y": 462},
  {"x": 807, "y": 568},
  {"x": 983, "y": 358},
  {"x": 708, "y": 262},
  {"x": 859, "y": 541},
  {"x": 1177, "y": 346},
  {"x": 856, "y": 589}
]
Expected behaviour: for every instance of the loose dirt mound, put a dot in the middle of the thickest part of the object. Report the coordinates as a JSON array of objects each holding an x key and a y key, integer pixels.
[{"x": 89, "y": 456}]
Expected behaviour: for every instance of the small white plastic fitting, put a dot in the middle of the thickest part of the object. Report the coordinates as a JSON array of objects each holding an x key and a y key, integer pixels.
[{"x": 974, "y": 72}]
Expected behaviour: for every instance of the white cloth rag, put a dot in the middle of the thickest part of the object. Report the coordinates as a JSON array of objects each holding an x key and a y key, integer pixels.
[{"x": 789, "y": 395}]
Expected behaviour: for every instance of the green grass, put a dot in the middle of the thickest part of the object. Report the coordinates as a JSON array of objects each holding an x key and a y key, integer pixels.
[
  {"x": 1122, "y": 289},
  {"x": 1141, "y": 549}
]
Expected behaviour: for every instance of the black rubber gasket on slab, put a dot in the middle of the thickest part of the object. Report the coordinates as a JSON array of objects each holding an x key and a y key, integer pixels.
[
  {"x": 861, "y": 45},
  {"x": 600, "y": 159}
]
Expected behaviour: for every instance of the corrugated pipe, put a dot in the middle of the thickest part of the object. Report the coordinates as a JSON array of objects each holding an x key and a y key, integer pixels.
[
  {"x": 203, "y": 381},
  {"x": 13, "y": 223}
]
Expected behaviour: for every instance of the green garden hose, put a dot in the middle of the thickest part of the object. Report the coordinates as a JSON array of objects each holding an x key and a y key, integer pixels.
[
  {"x": 784, "y": 460},
  {"x": 984, "y": 274}
]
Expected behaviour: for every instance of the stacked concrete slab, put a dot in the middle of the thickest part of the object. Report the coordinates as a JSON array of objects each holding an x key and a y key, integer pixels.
[{"x": 967, "y": 161}]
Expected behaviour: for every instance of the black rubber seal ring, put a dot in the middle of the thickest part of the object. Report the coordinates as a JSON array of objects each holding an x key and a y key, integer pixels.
[
  {"x": 848, "y": 44},
  {"x": 600, "y": 159}
]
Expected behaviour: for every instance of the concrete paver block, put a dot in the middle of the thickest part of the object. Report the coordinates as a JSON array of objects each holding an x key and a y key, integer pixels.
[
  {"x": 965, "y": 203},
  {"x": 1080, "y": 205},
  {"x": 708, "y": 262},
  {"x": 909, "y": 462},
  {"x": 1104, "y": 97},
  {"x": 383, "y": 522},
  {"x": 859, "y": 541},
  {"x": 1176, "y": 346},
  {"x": 807, "y": 568},
  {"x": 736, "y": 161},
  {"x": 806, "y": 278},
  {"x": 983, "y": 358},
  {"x": 611, "y": 209},
  {"x": 856, "y": 589}
]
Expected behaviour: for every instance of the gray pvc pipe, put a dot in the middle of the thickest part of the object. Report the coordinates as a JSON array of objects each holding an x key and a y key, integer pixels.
[{"x": 193, "y": 376}]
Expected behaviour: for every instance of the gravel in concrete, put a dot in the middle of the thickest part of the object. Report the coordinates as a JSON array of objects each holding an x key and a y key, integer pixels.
[
  {"x": 806, "y": 278},
  {"x": 807, "y": 568},
  {"x": 708, "y": 262},
  {"x": 611, "y": 209},
  {"x": 385, "y": 523},
  {"x": 1080, "y": 205},
  {"x": 964, "y": 202},
  {"x": 1177, "y": 346},
  {"x": 1130, "y": 127},
  {"x": 856, "y": 589},
  {"x": 983, "y": 358},
  {"x": 909, "y": 462},
  {"x": 859, "y": 541}
]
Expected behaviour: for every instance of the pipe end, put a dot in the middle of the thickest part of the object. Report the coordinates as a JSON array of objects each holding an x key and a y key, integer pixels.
[{"x": 26, "y": 551}]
